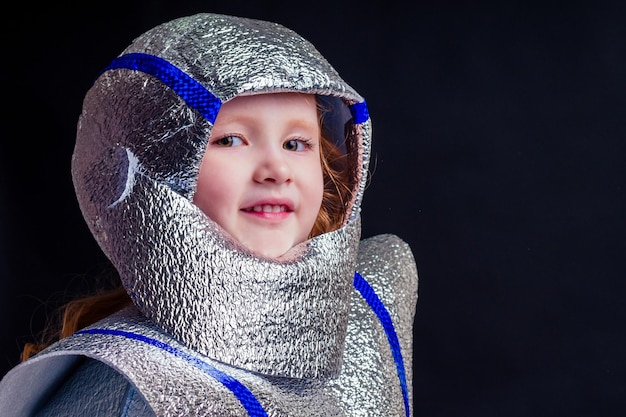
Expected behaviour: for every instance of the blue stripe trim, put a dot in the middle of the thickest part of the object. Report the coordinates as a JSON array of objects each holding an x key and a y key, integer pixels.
[
  {"x": 243, "y": 394},
  {"x": 194, "y": 93},
  {"x": 360, "y": 113},
  {"x": 368, "y": 293}
]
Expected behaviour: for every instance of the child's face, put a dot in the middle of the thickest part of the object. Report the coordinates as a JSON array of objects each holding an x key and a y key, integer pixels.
[{"x": 261, "y": 176}]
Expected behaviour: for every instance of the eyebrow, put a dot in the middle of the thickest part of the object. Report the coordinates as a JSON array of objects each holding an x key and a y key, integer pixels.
[{"x": 249, "y": 121}]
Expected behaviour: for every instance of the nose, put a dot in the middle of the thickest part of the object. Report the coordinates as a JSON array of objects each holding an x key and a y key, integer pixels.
[{"x": 272, "y": 167}]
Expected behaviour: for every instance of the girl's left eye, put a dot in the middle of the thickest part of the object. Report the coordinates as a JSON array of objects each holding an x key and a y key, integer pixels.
[{"x": 297, "y": 145}]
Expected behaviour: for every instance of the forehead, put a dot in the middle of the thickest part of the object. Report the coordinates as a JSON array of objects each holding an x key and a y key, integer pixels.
[
  {"x": 293, "y": 108},
  {"x": 268, "y": 100}
]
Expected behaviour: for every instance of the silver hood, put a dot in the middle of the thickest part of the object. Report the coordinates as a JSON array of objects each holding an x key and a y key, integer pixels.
[{"x": 141, "y": 137}]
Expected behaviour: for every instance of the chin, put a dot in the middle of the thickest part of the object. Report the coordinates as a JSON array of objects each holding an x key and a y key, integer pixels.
[{"x": 270, "y": 250}]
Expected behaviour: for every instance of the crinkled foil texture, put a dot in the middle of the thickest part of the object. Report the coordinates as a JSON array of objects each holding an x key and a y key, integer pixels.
[
  {"x": 282, "y": 318},
  {"x": 233, "y": 56},
  {"x": 157, "y": 375},
  {"x": 367, "y": 386},
  {"x": 135, "y": 165}
]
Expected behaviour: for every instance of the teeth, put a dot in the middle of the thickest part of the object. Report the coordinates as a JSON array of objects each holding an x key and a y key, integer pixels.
[{"x": 267, "y": 208}]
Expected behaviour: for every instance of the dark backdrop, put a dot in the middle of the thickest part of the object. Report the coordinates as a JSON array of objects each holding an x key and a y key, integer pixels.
[{"x": 499, "y": 145}]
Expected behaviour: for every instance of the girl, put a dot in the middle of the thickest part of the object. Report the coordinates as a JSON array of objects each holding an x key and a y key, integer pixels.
[{"x": 220, "y": 164}]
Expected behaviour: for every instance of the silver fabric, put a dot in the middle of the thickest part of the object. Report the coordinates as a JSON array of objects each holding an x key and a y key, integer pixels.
[
  {"x": 169, "y": 379},
  {"x": 293, "y": 330},
  {"x": 368, "y": 384},
  {"x": 76, "y": 396},
  {"x": 135, "y": 164}
]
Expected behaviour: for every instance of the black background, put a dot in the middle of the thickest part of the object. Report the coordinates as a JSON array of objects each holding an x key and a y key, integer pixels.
[{"x": 499, "y": 144}]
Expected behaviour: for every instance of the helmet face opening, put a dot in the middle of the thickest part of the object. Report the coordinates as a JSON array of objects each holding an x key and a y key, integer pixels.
[{"x": 140, "y": 142}]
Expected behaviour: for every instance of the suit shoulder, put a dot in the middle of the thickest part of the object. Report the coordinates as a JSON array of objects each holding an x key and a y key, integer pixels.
[
  {"x": 387, "y": 263},
  {"x": 386, "y": 252}
]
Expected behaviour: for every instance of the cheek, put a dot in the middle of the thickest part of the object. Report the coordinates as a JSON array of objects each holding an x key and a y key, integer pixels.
[
  {"x": 316, "y": 185},
  {"x": 209, "y": 194}
]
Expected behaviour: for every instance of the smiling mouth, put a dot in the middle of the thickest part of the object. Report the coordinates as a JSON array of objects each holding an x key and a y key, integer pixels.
[{"x": 267, "y": 208}]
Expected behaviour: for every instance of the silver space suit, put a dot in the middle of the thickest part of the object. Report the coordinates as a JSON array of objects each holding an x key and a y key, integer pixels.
[{"x": 325, "y": 330}]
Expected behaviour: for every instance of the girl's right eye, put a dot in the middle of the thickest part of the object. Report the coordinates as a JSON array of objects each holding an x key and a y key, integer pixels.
[{"x": 229, "y": 141}]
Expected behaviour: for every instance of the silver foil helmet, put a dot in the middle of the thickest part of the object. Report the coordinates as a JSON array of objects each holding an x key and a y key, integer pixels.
[{"x": 141, "y": 137}]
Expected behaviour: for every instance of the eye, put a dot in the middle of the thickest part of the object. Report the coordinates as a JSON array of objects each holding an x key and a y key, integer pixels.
[
  {"x": 297, "y": 145},
  {"x": 229, "y": 141}
]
